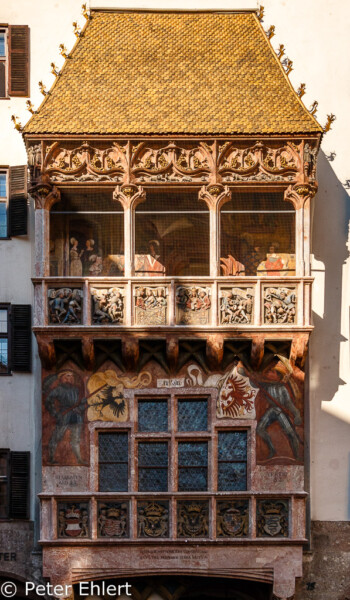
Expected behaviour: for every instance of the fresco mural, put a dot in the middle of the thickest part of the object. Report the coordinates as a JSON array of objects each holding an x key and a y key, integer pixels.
[{"x": 273, "y": 397}]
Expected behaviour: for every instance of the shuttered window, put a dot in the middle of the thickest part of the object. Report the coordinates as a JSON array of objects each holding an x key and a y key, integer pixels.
[
  {"x": 18, "y": 49},
  {"x": 3, "y": 63},
  {"x": 13, "y": 202},
  {"x": 15, "y": 338},
  {"x": 14, "y": 484}
]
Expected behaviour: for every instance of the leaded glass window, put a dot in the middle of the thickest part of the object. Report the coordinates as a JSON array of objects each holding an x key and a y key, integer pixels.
[
  {"x": 193, "y": 466},
  {"x": 152, "y": 415},
  {"x": 153, "y": 466},
  {"x": 232, "y": 461},
  {"x": 113, "y": 462},
  {"x": 192, "y": 415}
]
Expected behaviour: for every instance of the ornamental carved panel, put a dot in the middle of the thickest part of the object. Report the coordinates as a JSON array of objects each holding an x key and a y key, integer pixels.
[
  {"x": 193, "y": 305},
  {"x": 101, "y": 162},
  {"x": 272, "y": 518},
  {"x": 173, "y": 162},
  {"x": 192, "y": 518},
  {"x": 259, "y": 162},
  {"x": 280, "y": 305},
  {"x": 151, "y": 305},
  {"x": 72, "y": 519},
  {"x": 153, "y": 519},
  {"x": 232, "y": 518},
  {"x": 107, "y": 306},
  {"x": 112, "y": 519},
  {"x": 65, "y": 306},
  {"x": 236, "y": 305}
]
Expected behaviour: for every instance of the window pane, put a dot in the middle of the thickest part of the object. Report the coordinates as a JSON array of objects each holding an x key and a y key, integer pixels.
[
  {"x": 153, "y": 466},
  {"x": 2, "y": 80},
  {"x": 232, "y": 457},
  {"x": 3, "y": 321},
  {"x": 3, "y": 191},
  {"x": 113, "y": 462},
  {"x": 232, "y": 445},
  {"x": 87, "y": 236},
  {"x": 3, "y": 220},
  {"x": 172, "y": 235},
  {"x": 260, "y": 240},
  {"x": 232, "y": 476},
  {"x": 192, "y": 415},
  {"x": 193, "y": 466},
  {"x": 3, "y": 356},
  {"x": 153, "y": 415},
  {"x": 2, "y": 44}
]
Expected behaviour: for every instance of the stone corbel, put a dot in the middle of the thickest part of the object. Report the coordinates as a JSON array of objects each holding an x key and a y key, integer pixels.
[
  {"x": 172, "y": 353},
  {"x": 88, "y": 352},
  {"x": 130, "y": 352},
  {"x": 257, "y": 351},
  {"x": 215, "y": 351},
  {"x": 215, "y": 195},
  {"x": 129, "y": 195},
  {"x": 44, "y": 193},
  {"x": 300, "y": 193},
  {"x": 299, "y": 350},
  {"x": 47, "y": 353}
]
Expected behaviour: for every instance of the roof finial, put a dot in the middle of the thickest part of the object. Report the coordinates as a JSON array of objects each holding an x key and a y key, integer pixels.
[
  {"x": 330, "y": 119},
  {"x": 85, "y": 12},
  {"x": 288, "y": 64},
  {"x": 42, "y": 88},
  {"x": 63, "y": 51},
  {"x": 77, "y": 31},
  {"x": 54, "y": 70},
  {"x": 313, "y": 108},
  {"x": 16, "y": 123},
  {"x": 270, "y": 32},
  {"x": 301, "y": 90},
  {"x": 30, "y": 107},
  {"x": 260, "y": 13},
  {"x": 280, "y": 51}
]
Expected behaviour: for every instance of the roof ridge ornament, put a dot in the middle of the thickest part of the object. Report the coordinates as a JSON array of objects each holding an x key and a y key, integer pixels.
[
  {"x": 301, "y": 90},
  {"x": 54, "y": 70},
  {"x": 42, "y": 88},
  {"x": 270, "y": 32},
  {"x": 85, "y": 13},
  {"x": 16, "y": 123},
  {"x": 30, "y": 107},
  {"x": 280, "y": 51},
  {"x": 260, "y": 13},
  {"x": 330, "y": 119},
  {"x": 288, "y": 64},
  {"x": 77, "y": 31},
  {"x": 313, "y": 108},
  {"x": 63, "y": 51}
]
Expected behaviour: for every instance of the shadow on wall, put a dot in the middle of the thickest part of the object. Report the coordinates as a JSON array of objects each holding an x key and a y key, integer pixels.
[{"x": 329, "y": 245}]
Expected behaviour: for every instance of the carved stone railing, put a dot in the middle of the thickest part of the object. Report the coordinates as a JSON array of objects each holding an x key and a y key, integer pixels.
[
  {"x": 225, "y": 303},
  {"x": 232, "y": 517}
]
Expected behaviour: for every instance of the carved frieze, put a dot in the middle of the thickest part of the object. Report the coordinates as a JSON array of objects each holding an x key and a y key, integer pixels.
[
  {"x": 259, "y": 162},
  {"x": 151, "y": 305},
  {"x": 72, "y": 519},
  {"x": 272, "y": 518},
  {"x": 65, "y": 306},
  {"x": 107, "y": 306},
  {"x": 232, "y": 518},
  {"x": 112, "y": 520},
  {"x": 101, "y": 162},
  {"x": 156, "y": 162},
  {"x": 192, "y": 518},
  {"x": 236, "y": 305},
  {"x": 153, "y": 519},
  {"x": 193, "y": 305},
  {"x": 280, "y": 305}
]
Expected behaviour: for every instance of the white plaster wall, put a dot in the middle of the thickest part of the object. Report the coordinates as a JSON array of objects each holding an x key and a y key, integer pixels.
[{"x": 316, "y": 36}]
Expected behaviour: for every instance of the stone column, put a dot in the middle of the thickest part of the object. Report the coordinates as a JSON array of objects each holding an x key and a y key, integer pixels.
[
  {"x": 45, "y": 196},
  {"x": 300, "y": 195},
  {"x": 215, "y": 196},
  {"x": 129, "y": 197}
]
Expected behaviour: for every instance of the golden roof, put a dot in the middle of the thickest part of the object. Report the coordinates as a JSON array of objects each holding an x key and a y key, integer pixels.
[{"x": 172, "y": 73}]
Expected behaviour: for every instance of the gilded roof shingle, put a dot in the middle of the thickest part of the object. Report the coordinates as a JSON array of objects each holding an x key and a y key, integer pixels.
[{"x": 159, "y": 73}]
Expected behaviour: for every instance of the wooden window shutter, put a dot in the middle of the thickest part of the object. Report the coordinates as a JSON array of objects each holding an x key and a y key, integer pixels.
[
  {"x": 18, "y": 210},
  {"x": 21, "y": 339},
  {"x": 19, "y": 485},
  {"x": 18, "y": 60}
]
